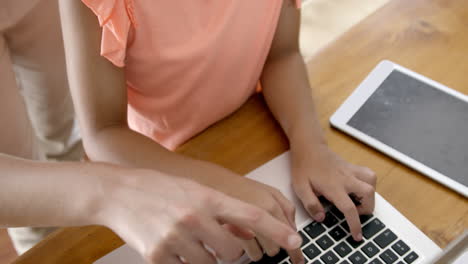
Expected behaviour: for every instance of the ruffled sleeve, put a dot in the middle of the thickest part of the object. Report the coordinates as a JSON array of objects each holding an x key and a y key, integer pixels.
[{"x": 116, "y": 18}]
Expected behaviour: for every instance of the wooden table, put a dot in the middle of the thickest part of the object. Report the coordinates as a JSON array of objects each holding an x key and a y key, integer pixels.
[{"x": 428, "y": 36}]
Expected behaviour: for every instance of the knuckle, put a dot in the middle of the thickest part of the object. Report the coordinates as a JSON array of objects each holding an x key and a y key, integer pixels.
[
  {"x": 169, "y": 237},
  {"x": 255, "y": 215},
  {"x": 373, "y": 177},
  {"x": 189, "y": 218},
  {"x": 210, "y": 198},
  {"x": 273, "y": 207},
  {"x": 369, "y": 190}
]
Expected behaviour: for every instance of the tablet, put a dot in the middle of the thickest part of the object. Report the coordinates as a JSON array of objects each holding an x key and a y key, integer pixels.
[{"x": 413, "y": 119}]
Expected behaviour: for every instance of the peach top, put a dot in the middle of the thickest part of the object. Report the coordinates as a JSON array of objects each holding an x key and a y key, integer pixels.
[{"x": 188, "y": 63}]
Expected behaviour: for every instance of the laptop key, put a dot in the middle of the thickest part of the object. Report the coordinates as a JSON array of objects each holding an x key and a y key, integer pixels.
[
  {"x": 375, "y": 261},
  {"x": 345, "y": 226},
  {"x": 357, "y": 258},
  {"x": 311, "y": 251},
  {"x": 411, "y": 257},
  {"x": 342, "y": 249},
  {"x": 324, "y": 242},
  {"x": 337, "y": 213},
  {"x": 330, "y": 220},
  {"x": 354, "y": 243},
  {"x": 400, "y": 247},
  {"x": 372, "y": 228},
  {"x": 385, "y": 238},
  {"x": 314, "y": 229},
  {"x": 317, "y": 262},
  {"x": 329, "y": 258},
  {"x": 365, "y": 218},
  {"x": 337, "y": 233},
  {"x": 305, "y": 239},
  {"x": 345, "y": 262},
  {"x": 370, "y": 249},
  {"x": 388, "y": 256}
]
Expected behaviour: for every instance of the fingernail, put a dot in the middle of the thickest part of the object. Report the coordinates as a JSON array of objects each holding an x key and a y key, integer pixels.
[
  {"x": 294, "y": 241},
  {"x": 319, "y": 217}
]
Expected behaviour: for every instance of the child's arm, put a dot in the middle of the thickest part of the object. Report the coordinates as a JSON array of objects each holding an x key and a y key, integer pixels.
[
  {"x": 316, "y": 169},
  {"x": 100, "y": 98}
]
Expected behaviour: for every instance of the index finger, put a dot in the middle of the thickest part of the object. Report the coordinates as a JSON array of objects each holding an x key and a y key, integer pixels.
[
  {"x": 236, "y": 212},
  {"x": 344, "y": 203},
  {"x": 295, "y": 255}
]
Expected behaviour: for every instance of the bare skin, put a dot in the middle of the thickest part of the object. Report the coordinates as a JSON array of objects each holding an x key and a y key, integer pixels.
[
  {"x": 316, "y": 169},
  {"x": 180, "y": 216},
  {"x": 101, "y": 104}
]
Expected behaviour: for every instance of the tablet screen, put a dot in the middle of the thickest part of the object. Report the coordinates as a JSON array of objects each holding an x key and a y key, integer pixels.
[{"x": 419, "y": 121}]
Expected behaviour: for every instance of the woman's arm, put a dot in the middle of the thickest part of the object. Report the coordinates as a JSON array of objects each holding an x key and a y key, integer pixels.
[
  {"x": 72, "y": 194},
  {"x": 47, "y": 194},
  {"x": 316, "y": 169}
]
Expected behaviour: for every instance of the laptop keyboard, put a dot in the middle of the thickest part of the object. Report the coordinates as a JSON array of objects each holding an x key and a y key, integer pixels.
[{"x": 330, "y": 242}]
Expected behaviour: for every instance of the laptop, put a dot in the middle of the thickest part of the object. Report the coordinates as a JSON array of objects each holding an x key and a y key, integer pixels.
[{"x": 388, "y": 237}]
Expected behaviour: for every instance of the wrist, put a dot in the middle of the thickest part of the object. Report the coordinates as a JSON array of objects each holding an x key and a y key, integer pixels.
[
  {"x": 308, "y": 151},
  {"x": 305, "y": 141},
  {"x": 95, "y": 203}
]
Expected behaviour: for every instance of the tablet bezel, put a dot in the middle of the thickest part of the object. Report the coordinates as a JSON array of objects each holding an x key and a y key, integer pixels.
[{"x": 354, "y": 102}]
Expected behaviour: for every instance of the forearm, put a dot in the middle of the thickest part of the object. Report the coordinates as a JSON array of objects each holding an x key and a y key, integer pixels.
[
  {"x": 48, "y": 194},
  {"x": 289, "y": 97},
  {"x": 120, "y": 145}
]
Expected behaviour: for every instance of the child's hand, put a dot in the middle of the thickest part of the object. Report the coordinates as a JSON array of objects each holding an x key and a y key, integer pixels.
[
  {"x": 321, "y": 172},
  {"x": 169, "y": 219},
  {"x": 265, "y": 197}
]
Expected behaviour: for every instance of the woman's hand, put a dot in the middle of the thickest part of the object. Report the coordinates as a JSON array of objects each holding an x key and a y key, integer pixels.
[
  {"x": 321, "y": 172},
  {"x": 267, "y": 198},
  {"x": 174, "y": 220}
]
